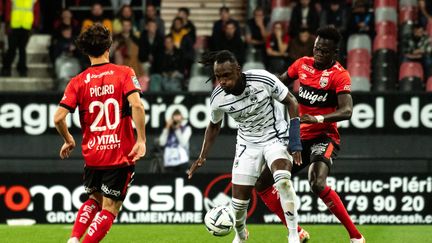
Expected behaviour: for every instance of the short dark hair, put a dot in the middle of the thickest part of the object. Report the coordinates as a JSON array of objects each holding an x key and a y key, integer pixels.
[
  {"x": 224, "y": 8},
  {"x": 329, "y": 33},
  {"x": 95, "y": 40},
  {"x": 183, "y": 9}
]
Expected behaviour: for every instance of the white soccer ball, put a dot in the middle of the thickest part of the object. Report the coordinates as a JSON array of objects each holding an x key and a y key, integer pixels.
[{"x": 219, "y": 221}]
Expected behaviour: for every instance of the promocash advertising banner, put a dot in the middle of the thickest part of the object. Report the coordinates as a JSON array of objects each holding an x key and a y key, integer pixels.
[
  {"x": 32, "y": 113},
  {"x": 164, "y": 198}
]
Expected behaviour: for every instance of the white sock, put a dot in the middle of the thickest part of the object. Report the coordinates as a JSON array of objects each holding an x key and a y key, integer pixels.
[
  {"x": 287, "y": 199},
  {"x": 240, "y": 212}
]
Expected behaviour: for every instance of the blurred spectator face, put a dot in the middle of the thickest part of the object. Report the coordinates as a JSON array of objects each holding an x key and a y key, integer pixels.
[
  {"x": 178, "y": 24},
  {"x": 334, "y": 6},
  {"x": 230, "y": 30},
  {"x": 126, "y": 11},
  {"x": 304, "y": 3},
  {"x": 177, "y": 118},
  {"x": 224, "y": 15},
  {"x": 259, "y": 14},
  {"x": 183, "y": 15},
  {"x": 126, "y": 26},
  {"x": 97, "y": 10},
  {"x": 418, "y": 31},
  {"x": 67, "y": 33},
  {"x": 151, "y": 12},
  {"x": 277, "y": 29},
  {"x": 304, "y": 36},
  {"x": 66, "y": 14},
  {"x": 151, "y": 27},
  {"x": 169, "y": 44}
]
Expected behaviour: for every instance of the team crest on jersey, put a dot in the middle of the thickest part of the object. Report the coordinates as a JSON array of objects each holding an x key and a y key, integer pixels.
[
  {"x": 323, "y": 81},
  {"x": 136, "y": 82},
  {"x": 253, "y": 98}
]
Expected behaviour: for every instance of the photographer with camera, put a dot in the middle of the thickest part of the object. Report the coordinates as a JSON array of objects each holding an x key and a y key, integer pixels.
[{"x": 175, "y": 141}]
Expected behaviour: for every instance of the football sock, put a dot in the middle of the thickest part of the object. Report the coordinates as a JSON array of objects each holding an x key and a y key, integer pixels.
[
  {"x": 240, "y": 212},
  {"x": 99, "y": 227},
  {"x": 270, "y": 198},
  {"x": 335, "y": 205},
  {"x": 84, "y": 217},
  {"x": 287, "y": 200}
]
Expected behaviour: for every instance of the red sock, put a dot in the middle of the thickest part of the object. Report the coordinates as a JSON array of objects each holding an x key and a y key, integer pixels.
[
  {"x": 335, "y": 205},
  {"x": 84, "y": 217},
  {"x": 99, "y": 227},
  {"x": 270, "y": 198}
]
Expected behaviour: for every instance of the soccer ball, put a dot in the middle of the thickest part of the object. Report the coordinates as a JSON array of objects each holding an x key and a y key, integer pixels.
[{"x": 219, "y": 221}]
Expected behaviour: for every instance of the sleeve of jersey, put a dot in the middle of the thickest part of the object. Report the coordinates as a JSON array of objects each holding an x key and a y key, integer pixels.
[
  {"x": 131, "y": 83},
  {"x": 293, "y": 69},
  {"x": 69, "y": 99},
  {"x": 278, "y": 91},
  {"x": 216, "y": 114},
  {"x": 343, "y": 83}
]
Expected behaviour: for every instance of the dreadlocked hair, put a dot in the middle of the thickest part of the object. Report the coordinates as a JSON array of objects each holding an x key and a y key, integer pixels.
[{"x": 208, "y": 59}]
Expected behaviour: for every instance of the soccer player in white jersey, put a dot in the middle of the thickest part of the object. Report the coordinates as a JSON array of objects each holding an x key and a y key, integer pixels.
[{"x": 264, "y": 137}]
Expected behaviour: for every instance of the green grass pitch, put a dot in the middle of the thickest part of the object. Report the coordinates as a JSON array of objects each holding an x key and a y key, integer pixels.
[{"x": 198, "y": 233}]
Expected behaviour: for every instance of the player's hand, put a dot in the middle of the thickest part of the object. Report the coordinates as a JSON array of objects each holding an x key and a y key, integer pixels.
[
  {"x": 297, "y": 158},
  {"x": 198, "y": 163},
  {"x": 67, "y": 148},
  {"x": 306, "y": 118},
  {"x": 138, "y": 151}
]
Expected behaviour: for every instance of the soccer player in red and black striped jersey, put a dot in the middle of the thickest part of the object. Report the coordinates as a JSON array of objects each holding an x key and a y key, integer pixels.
[
  {"x": 324, "y": 99},
  {"x": 108, "y": 99}
]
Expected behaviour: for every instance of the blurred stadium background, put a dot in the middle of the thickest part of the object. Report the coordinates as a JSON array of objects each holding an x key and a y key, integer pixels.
[{"x": 385, "y": 164}]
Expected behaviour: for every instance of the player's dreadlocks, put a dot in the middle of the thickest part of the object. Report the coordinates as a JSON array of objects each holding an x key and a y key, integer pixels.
[
  {"x": 329, "y": 33},
  {"x": 95, "y": 40},
  {"x": 209, "y": 58}
]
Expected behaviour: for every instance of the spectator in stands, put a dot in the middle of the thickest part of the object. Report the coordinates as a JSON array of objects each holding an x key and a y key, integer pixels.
[
  {"x": 336, "y": 15},
  {"x": 183, "y": 42},
  {"x": 302, "y": 45},
  {"x": 304, "y": 15},
  {"x": 151, "y": 47},
  {"x": 232, "y": 42},
  {"x": 66, "y": 19},
  {"x": 64, "y": 44},
  {"x": 125, "y": 46},
  {"x": 175, "y": 141},
  {"x": 184, "y": 13},
  {"x": 362, "y": 20},
  {"x": 97, "y": 17},
  {"x": 21, "y": 23},
  {"x": 426, "y": 11},
  {"x": 125, "y": 12},
  {"x": 256, "y": 33},
  {"x": 218, "y": 30},
  {"x": 171, "y": 69},
  {"x": 418, "y": 48},
  {"x": 277, "y": 49},
  {"x": 151, "y": 14}
]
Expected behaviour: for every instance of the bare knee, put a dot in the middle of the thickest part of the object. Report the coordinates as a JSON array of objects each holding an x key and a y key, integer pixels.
[
  {"x": 97, "y": 196},
  {"x": 264, "y": 182},
  {"x": 317, "y": 185},
  {"x": 111, "y": 205}
]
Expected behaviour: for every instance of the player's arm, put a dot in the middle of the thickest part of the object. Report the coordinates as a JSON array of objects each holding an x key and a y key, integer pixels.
[
  {"x": 286, "y": 79},
  {"x": 343, "y": 111},
  {"x": 138, "y": 116},
  {"x": 294, "y": 146},
  {"x": 62, "y": 129},
  {"x": 211, "y": 132}
]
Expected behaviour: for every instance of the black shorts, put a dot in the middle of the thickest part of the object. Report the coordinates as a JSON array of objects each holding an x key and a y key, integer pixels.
[
  {"x": 112, "y": 183},
  {"x": 322, "y": 149}
]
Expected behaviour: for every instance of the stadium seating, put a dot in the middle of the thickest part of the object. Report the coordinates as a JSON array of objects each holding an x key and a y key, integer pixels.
[
  {"x": 359, "y": 70},
  {"x": 359, "y": 41},
  {"x": 280, "y": 3},
  {"x": 386, "y": 28},
  {"x": 429, "y": 28},
  {"x": 412, "y": 3},
  {"x": 385, "y": 42},
  {"x": 385, "y": 14},
  {"x": 281, "y": 14},
  {"x": 359, "y": 56},
  {"x": 360, "y": 84},
  {"x": 199, "y": 84},
  {"x": 384, "y": 76},
  {"x": 429, "y": 85},
  {"x": 385, "y": 3},
  {"x": 411, "y": 77},
  {"x": 408, "y": 14}
]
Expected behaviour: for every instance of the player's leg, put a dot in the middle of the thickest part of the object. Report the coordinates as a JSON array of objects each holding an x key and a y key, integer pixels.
[
  {"x": 321, "y": 158},
  {"x": 280, "y": 164},
  {"x": 114, "y": 185},
  {"x": 247, "y": 166},
  {"x": 89, "y": 208},
  {"x": 240, "y": 203}
]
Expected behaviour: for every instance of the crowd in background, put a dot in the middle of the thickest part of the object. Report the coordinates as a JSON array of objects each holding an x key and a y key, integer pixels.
[{"x": 163, "y": 58}]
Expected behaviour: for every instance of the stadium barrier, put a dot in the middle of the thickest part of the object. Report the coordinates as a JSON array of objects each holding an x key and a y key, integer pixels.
[{"x": 158, "y": 198}]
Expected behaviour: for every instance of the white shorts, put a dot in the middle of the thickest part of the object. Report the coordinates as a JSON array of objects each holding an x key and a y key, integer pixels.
[{"x": 250, "y": 160}]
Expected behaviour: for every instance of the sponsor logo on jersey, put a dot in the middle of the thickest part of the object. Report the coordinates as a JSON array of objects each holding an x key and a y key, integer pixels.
[
  {"x": 104, "y": 142},
  {"x": 109, "y": 191},
  {"x": 136, "y": 82},
  {"x": 231, "y": 108},
  {"x": 100, "y": 75},
  {"x": 88, "y": 79},
  {"x": 308, "y": 68},
  {"x": 323, "y": 81},
  {"x": 311, "y": 96}
]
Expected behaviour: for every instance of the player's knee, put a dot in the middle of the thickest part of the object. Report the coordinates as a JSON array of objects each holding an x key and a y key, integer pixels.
[
  {"x": 262, "y": 184},
  {"x": 317, "y": 185}
]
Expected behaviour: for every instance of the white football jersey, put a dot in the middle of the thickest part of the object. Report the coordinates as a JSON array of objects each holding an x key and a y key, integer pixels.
[{"x": 259, "y": 120}]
